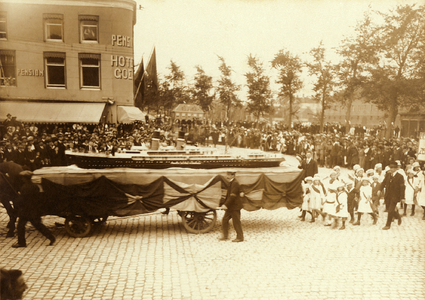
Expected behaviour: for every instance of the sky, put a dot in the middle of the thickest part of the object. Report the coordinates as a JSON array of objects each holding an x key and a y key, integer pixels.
[{"x": 196, "y": 32}]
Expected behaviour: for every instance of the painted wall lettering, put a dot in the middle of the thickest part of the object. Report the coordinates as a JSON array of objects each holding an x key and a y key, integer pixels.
[
  {"x": 121, "y": 41},
  {"x": 30, "y": 72},
  {"x": 124, "y": 67}
]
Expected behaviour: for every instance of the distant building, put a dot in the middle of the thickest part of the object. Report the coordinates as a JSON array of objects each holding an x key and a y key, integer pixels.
[
  {"x": 363, "y": 114},
  {"x": 58, "y": 56},
  {"x": 187, "y": 112}
]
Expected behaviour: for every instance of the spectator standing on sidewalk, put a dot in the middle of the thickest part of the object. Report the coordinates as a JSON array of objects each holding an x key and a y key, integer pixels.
[
  {"x": 233, "y": 206},
  {"x": 394, "y": 193}
]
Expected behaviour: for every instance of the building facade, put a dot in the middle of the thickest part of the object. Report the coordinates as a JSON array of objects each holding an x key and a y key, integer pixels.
[{"x": 66, "y": 53}]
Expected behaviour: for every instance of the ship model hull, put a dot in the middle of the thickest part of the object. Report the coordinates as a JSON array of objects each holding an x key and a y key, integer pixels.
[{"x": 99, "y": 162}]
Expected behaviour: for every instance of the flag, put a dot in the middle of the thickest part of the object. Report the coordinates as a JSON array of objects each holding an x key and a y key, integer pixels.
[
  {"x": 151, "y": 70},
  {"x": 139, "y": 87}
]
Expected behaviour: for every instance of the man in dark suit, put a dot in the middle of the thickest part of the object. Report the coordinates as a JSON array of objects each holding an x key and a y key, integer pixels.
[
  {"x": 394, "y": 193},
  {"x": 309, "y": 165},
  {"x": 28, "y": 205},
  {"x": 233, "y": 206}
]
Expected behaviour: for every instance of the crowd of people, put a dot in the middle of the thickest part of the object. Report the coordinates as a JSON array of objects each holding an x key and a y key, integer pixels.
[
  {"x": 379, "y": 169},
  {"x": 38, "y": 145},
  {"x": 340, "y": 197}
]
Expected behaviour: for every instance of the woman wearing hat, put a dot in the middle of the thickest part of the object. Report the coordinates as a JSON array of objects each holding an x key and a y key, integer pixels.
[{"x": 365, "y": 201}]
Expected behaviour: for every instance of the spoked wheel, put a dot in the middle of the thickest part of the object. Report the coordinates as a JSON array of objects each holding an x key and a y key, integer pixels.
[
  {"x": 195, "y": 222},
  {"x": 78, "y": 226}
]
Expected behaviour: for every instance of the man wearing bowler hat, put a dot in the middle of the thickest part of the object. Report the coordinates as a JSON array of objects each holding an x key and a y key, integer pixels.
[
  {"x": 233, "y": 206},
  {"x": 394, "y": 193}
]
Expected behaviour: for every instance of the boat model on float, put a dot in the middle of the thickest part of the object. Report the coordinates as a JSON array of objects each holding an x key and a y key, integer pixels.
[{"x": 181, "y": 156}]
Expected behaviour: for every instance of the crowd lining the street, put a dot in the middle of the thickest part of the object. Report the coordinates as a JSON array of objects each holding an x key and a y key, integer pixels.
[{"x": 365, "y": 152}]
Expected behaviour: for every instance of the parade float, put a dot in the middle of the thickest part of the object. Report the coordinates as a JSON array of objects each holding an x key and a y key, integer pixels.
[{"x": 84, "y": 196}]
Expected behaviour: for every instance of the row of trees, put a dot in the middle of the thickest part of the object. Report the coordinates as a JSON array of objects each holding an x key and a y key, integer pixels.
[{"x": 382, "y": 63}]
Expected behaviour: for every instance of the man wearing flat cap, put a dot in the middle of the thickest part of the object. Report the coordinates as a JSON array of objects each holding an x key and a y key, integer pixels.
[
  {"x": 394, "y": 193},
  {"x": 233, "y": 206}
]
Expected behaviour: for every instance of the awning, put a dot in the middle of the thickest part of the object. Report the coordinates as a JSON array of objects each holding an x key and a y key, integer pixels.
[
  {"x": 129, "y": 114},
  {"x": 35, "y": 112}
]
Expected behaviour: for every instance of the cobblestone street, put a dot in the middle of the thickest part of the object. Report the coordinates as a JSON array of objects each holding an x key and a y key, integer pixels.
[{"x": 153, "y": 257}]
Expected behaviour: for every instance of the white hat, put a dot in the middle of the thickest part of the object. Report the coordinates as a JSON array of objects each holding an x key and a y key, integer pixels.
[
  {"x": 378, "y": 165},
  {"x": 416, "y": 164},
  {"x": 308, "y": 178}
]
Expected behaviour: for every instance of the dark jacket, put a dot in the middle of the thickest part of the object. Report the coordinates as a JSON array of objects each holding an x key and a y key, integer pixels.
[
  {"x": 394, "y": 187},
  {"x": 233, "y": 200},
  {"x": 310, "y": 168},
  {"x": 28, "y": 203}
]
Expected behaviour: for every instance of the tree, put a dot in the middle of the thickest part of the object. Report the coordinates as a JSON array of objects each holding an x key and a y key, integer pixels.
[
  {"x": 290, "y": 69},
  {"x": 227, "y": 88},
  {"x": 357, "y": 53},
  {"x": 176, "y": 84},
  {"x": 323, "y": 88},
  {"x": 259, "y": 93},
  {"x": 395, "y": 82},
  {"x": 201, "y": 90}
]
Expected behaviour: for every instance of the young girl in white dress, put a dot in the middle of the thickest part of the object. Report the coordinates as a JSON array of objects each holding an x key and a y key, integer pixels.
[
  {"x": 317, "y": 197},
  {"x": 306, "y": 198},
  {"x": 412, "y": 187},
  {"x": 330, "y": 200},
  {"x": 341, "y": 211},
  {"x": 365, "y": 202}
]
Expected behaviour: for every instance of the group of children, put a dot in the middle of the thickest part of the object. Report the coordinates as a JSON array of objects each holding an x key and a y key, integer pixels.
[{"x": 337, "y": 198}]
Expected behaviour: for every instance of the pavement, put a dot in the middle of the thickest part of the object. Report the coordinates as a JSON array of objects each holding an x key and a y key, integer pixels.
[{"x": 152, "y": 257}]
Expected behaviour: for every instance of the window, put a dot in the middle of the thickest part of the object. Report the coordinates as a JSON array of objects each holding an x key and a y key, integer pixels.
[
  {"x": 3, "y": 27},
  {"x": 89, "y": 70},
  {"x": 7, "y": 68},
  {"x": 54, "y": 69},
  {"x": 89, "y": 29},
  {"x": 53, "y": 27}
]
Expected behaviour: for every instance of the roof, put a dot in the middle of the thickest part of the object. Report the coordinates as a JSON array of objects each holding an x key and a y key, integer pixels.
[{"x": 188, "y": 108}]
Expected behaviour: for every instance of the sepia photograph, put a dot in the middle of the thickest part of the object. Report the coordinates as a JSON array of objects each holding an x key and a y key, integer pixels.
[{"x": 214, "y": 149}]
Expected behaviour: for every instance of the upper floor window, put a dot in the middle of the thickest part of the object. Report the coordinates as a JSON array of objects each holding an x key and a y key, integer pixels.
[
  {"x": 89, "y": 29},
  {"x": 7, "y": 68},
  {"x": 89, "y": 70},
  {"x": 53, "y": 27},
  {"x": 3, "y": 26},
  {"x": 55, "y": 69}
]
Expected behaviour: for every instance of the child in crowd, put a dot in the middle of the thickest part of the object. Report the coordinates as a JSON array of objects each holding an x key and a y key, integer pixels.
[
  {"x": 352, "y": 196},
  {"x": 306, "y": 198},
  {"x": 411, "y": 191},
  {"x": 376, "y": 193},
  {"x": 317, "y": 197},
  {"x": 330, "y": 203},
  {"x": 365, "y": 201},
  {"x": 341, "y": 210}
]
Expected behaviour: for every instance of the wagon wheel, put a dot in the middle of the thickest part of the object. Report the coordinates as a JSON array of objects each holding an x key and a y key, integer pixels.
[
  {"x": 78, "y": 226},
  {"x": 195, "y": 222}
]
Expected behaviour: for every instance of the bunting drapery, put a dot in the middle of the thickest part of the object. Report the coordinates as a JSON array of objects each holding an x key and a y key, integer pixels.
[{"x": 104, "y": 197}]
